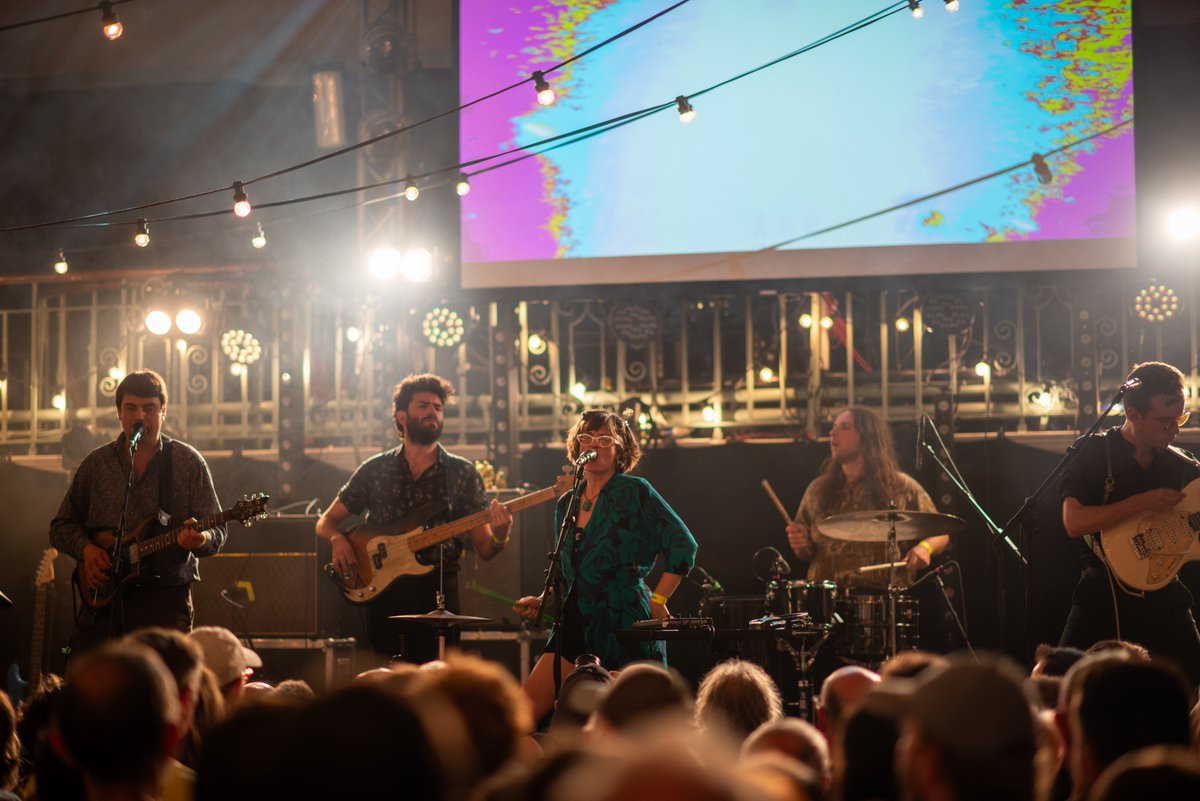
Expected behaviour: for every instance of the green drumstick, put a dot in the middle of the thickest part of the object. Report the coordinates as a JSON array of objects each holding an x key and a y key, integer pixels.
[{"x": 498, "y": 598}]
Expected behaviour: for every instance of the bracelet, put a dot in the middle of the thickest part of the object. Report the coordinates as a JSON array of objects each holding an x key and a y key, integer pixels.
[
  {"x": 500, "y": 543},
  {"x": 925, "y": 544},
  {"x": 658, "y": 598}
]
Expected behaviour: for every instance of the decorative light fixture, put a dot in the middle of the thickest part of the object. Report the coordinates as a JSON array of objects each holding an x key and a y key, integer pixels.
[
  {"x": 1184, "y": 223},
  {"x": 766, "y": 375},
  {"x": 686, "y": 112},
  {"x": 59, "y": 401},
  {"x": 443, "y": 327},
  {"x": 1156, "y": 303},
  {"x": 579, "y": 391},
  {"x": 806, "y": 320},
  {"x": 259, "y": 240},
  {"x": 61, "y": 266},
  {"x": 417, "y": 265},
  {"x": 902, "y": 324},
  {"x": 710, "y": 412},
  {"x": 545, "y": 94},
  {"x": 536, "y": 344},
  {"x": 116, "y": 373},
  {"x": 1042, "y": 169},
  {"x": 241, "y": 201},
  {"x": 112, "y": 26},
  {"x": 411, "y": 191},
  {"x": 237, "y": 369},
  {"x": 463, "y": 187},
  {"x": 952, "y": 6},
  {"x": 1042, "y": 397},
  {"x": 158, "y": 322},
  {"x": 142, "y": 237},
  {"x": 983, "y": 369},
  {"x": 915, "y": 7},
  {"x": 241, "y": 346},
  {"x": 826, "y": 322},
  {"x": 188, "y": 321},
  {"x": 353, "y": 334}
]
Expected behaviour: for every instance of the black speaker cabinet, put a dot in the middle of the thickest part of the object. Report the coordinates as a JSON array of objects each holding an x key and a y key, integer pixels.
[{"x": 487, "y": 589}]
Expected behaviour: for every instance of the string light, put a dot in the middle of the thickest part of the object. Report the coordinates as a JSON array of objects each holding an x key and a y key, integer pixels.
[
  {"x": 142, "y": 237},
  {"x": 686, "y": 112},
  {"x": 952, "y": 6},
  {"x": 463, "y": 187},
  {"x": 411, "y": 192},
  {"x": 915, "y": 7},
  {"x": 1042, "y": 169},
  {"x": 108, "y": 18},
  {"x": 241, "y": 202},
  {"x": 61, "y": 265},
  {"x": 545, "y": 94},
  {"x": 259, "y": 240}
]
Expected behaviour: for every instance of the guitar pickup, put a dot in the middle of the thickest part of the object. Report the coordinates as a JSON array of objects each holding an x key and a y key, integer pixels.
[
  {"x": 379, "y": 556},
  {"x": 1138, "y": 541}
]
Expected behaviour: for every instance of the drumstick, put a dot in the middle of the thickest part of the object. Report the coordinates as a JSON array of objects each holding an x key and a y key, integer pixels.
[
  {"x": 884, "y": 566},
  {"x": 775, "y": 500}
]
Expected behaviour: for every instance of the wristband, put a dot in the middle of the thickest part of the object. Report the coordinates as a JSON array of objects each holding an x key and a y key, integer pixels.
[
  {"x": 658, "y": 598},
  {"x": 925, "y": 544},
  {"x": 500, "y": 543}
]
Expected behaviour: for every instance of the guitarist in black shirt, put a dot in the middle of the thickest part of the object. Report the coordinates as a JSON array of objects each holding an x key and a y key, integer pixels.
[{"x": 1128, "y": 472}]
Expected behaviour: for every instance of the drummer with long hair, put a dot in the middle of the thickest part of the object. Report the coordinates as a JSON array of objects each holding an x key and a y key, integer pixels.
[
  {"x": 860, "y": 474},
  {"x": 623, "y": 526}
]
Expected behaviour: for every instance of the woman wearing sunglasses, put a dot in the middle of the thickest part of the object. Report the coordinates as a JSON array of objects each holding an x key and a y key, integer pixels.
[{"x": 621, "y": 528}]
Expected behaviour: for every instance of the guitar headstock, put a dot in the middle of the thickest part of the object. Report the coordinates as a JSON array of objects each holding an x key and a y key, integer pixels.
[
  {"x": 251, "y": 508},
  {"x": 45, "y": 570},
  {"x": 563, "y": 484}
]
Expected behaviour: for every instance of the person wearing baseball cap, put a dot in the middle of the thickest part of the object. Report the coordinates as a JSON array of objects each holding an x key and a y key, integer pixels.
[{"x": 231, "y": 662}]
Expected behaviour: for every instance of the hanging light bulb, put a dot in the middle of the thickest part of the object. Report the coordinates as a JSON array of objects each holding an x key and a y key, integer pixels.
[
  {"x": 142, "y": 237},
  {"x": 241, "y": 202},
  {"x": 1042, "y": 169},
  {"x": 686, "y": 112},
  {"x": 61, "y": 266},
  {"x": 952, "y": 6},
  {"x": 108, "y": 18},
  {"x": 463, "y": 187},
  {"x": 411, "y": 192},
  {"x": 545, "y": 94},
  {"x": 915, "y": 7},
  {"x": 259, "y": 240}
]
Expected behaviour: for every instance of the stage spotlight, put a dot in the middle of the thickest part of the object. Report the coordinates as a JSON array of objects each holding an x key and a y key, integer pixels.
[
  {"x": 188, "y": 321},
  {"x": 902, "y": 324},
  {"x": 353, "y": 334},
  {"x": 806, "y": 321},
  {"x": 411, "y": 191},
  {"x": 385, "y": 263},
  {"x": 983, "y": 369},
  {"x": 915, "y": 7},
  {"x": 826, "y": 322},
  {"x": 686, "y": 112},
  {"x": 158, "y": 322},
  {"x": 241, "y": 201},
  {"x": 443, "y": 327},
  {"x": 142, "y": 237},
  {"x": 579, "y": 391},
  {"x": 463, "y": 187},
  {"x": 259, "y": 240},
  {"x": 1156, "y": 303},
  {"x": 417, "y": 265},
  {"x": 952, "y": 6},
  {"x": 61, "y": 266},
  {"x": 536, "y": 344},
  {"x": 110, "y": 23},
  {"x": 1184, "y": 223},
  {"x": 766, "y": 375},
  {"x": 545, "y": 94},
  {"x": 59, "y": 401},
  {"x": 241, "y": 346}
]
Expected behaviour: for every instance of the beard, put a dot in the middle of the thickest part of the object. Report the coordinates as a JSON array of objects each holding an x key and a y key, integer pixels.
[{"x": 422, "y": 434}]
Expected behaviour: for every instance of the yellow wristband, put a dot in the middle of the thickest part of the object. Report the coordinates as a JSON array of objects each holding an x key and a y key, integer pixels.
[
  {"x": 500, "y": 543},
  {"x": 925, "y": 544},
  {"x": 657, "y": 598}
]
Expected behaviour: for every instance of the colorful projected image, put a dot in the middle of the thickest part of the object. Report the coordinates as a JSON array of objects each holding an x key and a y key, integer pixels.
[{"x": 897, "y": 110}]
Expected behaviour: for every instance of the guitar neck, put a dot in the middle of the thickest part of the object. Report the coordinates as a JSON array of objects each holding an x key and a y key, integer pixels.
[
  {"x": 448, "y": 531},
  {"x": 155, "y": 544},
  {"x": 39, "y": 636}
]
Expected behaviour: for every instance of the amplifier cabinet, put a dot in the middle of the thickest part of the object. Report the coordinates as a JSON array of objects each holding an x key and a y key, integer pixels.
[{"x": 258, "y": 594}]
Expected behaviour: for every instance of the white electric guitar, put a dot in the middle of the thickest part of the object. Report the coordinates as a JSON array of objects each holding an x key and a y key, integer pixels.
[{"x": 1146, "y": 551}]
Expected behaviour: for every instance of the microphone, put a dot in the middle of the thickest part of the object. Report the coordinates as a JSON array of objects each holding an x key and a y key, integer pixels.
[
  {"x": 780, "y": 566},
  {"x": 921, "y": 443},
  {"x": 1132, "y": 383},
  {"x": 934, "y": 572},
  {"x": 710, "y": 583},
  {"x": 139, "y": 428},
  {"x": 584, "y": 458}
]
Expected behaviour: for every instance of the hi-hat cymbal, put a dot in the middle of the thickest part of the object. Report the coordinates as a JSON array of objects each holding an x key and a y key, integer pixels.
[
  {"x": 873, "y": 526},
  {"x": 442, "y": 617}
]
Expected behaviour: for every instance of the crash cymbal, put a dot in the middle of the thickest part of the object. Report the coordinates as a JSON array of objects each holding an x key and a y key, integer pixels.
[
  {"x": 443, "y": 617},
  {"x": 873, "y": 526}
]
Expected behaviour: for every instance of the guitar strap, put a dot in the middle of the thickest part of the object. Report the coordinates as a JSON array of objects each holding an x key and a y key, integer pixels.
[
  {"x": 1093, "y": 541},
  {"x": 165, "y": 483}
]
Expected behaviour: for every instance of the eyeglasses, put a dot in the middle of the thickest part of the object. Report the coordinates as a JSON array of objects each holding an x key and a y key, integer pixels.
[
  {"x": 1165, "y": 422},
  {"x": 602, "y": 441}
]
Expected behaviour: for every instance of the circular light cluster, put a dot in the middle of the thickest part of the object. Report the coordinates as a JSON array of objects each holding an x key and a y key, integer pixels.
[
  {"x": 241, "y": 346},
  {"x": 1156, "y": 303},
  {"x": 443, "y": 327}
]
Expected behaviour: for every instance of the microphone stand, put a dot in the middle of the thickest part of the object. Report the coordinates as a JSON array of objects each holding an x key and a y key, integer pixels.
[
  {"x": 118, "y": 612},
  {"x": 554, "y": 570},
  {"x": 936, "y": 573}
]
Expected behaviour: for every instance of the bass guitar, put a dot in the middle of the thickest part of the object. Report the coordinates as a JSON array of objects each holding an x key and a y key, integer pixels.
[
  {"x": 1146, "y": 551},
  {"x": 148, "y": 539},
  {"x": 18, "y": 688},
  {"x": 386, "y": 553}
]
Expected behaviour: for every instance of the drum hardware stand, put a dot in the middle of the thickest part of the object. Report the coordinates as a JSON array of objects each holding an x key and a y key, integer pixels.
[
  {"x": 803, "y": 658},
  {"x": 893, "y": 551}
]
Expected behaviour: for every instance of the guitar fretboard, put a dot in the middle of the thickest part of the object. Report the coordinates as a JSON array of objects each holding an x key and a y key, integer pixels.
[
  {"x": 152, "y": 545},
  {"x": 448, "y": 531}
]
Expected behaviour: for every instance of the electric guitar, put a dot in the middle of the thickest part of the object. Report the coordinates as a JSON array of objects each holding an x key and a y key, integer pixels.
[
  {"x": 18, "y": 688},
  {"x": 1146, "y": 551},
  {"x": 146, "y": 540},
  {"x": 386, "y": 553}
]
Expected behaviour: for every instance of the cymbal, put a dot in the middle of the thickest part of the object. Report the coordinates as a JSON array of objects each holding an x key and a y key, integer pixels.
[
  {"x": 873, "y": 526},
  {"x": 442, "y": 618}
]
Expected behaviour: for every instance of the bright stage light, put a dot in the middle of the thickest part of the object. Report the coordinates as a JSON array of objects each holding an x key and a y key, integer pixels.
[
  {"x": 806, "y": 321},
  {"x": 353, "y": 334},
  {"x": 537, "y": 345},
  {"x": 188, "y": 321},
  {"x": 766, "y": 375},
  {"x": 579, "y": 391},
  {"x": 443, "y": 327},
  {"x": 902, "y": 324},
  {"x": 385, "y": 263},
  {"x": 827, "y": 322},
  {"x": 158, "y": 322},
  {"x": 417, "y": 265},
  {"x": 59, "y": 401},
  {"x": 1184, "y": 223},
  {"x": 983, "y": 369},
  {"x": 241, "y": 346}
]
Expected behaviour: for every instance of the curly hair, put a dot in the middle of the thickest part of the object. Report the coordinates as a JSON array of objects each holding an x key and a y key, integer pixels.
[
  {"x": 629, "y": 449},
  {"x": 881, "y": 473},
  {"x": 402, "y": 394}
]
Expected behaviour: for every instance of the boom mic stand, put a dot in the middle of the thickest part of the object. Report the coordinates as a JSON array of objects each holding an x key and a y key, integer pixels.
[{"x": 553, "y": 571}]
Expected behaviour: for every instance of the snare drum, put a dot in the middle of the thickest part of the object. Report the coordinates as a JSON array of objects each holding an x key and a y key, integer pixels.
[
  {"x": 793, "y": 597},
  {"x": 733, "y": 611},
  {"x": 865, "y": 632}
]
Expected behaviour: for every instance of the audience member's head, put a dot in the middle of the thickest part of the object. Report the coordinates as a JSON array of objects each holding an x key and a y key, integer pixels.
[
  {"x": 1134, "y": 650},
  {"x": 643, "y": 693},
  {"x": 580, "y": 695},
  {"x": 778, "y": 778},
  {"x": 297, "y": 689},
  {"x": 1158, "y": 772},
  {"x": 794, "y": 738},
  {"x": 909, "y": 664},
  {"x": 737, "y": 697},
  {"x": 33, "y": 718},
  {"x": 234, "y": 765},
  {"x": 1119, "y": 705},
  {"x": 118, "y": 717},
  {"x": 967, "y": 732},
  {"x": 184, "y": 661},
  {"x": 864, "y": 754},
  {"x": 227, "y": 658},
  {"x": 1050, "y": 660},
  {"x": 841, "y": 692},
  {"x": 1046, "y": 690},
  {"x": 10, "y": 745}
]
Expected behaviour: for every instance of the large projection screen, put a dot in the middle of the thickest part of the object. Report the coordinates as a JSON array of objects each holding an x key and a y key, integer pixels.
[{"x": 898, "y": 110}]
